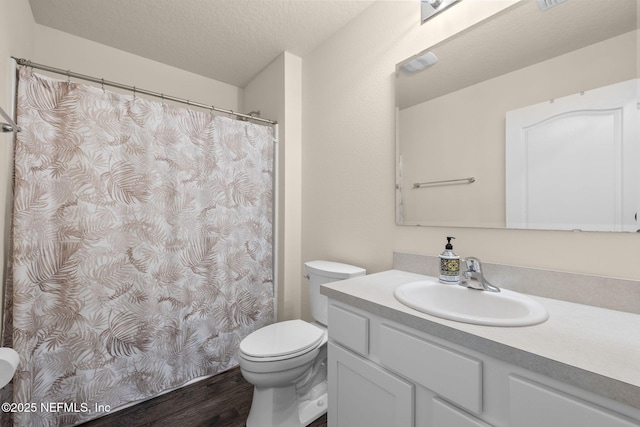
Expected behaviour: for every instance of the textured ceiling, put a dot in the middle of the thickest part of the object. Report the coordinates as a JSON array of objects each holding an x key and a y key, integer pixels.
[{"x": 226, "y": 40}]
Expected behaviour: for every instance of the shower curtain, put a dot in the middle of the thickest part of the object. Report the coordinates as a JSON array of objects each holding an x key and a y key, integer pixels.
[{"x": 141, "y": 247}]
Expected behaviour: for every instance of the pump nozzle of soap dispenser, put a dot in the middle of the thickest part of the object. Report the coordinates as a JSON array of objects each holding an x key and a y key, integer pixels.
[{"x": 449, "y": 245}]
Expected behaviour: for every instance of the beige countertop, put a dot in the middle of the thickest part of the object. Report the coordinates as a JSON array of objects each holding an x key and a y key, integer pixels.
[{"x": 596, "y": 349}]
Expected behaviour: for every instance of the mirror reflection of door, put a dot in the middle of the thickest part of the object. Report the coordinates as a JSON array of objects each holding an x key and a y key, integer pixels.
[
  {"x": 572, "y": 163},
  {"x": 450, "y": 117}
]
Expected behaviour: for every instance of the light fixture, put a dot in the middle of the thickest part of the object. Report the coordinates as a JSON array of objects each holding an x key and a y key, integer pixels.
[
  {"x": 429, "y": 8},
  {"x": 419, "y": 63},
  {"x": 548, "y": 4}
]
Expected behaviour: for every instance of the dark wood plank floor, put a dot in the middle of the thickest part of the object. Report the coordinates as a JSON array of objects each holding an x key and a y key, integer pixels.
[{"x": 221, "y": 401}]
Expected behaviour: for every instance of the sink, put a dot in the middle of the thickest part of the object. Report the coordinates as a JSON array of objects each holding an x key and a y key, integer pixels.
[{"x": 453, "y": 302}]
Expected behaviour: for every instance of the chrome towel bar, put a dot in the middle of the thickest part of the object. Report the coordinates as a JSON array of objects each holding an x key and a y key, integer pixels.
[{"x": 448, "y": 181}]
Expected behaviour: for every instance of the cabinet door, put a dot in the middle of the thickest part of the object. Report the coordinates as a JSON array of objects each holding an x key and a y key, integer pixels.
[{"x": 362, "y": 394}]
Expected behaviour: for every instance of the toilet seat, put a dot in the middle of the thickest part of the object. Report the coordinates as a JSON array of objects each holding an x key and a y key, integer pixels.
[{"x": 282, "y": 340}]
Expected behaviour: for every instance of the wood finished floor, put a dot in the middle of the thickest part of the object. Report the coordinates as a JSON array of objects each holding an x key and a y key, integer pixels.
[{"x": 221, "y": 401}]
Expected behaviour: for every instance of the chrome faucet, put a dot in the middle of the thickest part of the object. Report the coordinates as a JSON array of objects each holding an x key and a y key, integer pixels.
[{"x": 473, "y": 277}]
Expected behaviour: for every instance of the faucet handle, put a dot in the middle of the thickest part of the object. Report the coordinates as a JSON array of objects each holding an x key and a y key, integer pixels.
[{"x": 473, "y": 264}]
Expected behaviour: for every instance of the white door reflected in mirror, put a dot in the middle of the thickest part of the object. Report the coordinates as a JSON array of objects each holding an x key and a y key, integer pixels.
[{"x": 571, "y": 163}]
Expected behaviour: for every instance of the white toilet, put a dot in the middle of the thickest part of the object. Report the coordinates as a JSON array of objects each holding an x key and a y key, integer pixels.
[{"x": 286, "y": 361}]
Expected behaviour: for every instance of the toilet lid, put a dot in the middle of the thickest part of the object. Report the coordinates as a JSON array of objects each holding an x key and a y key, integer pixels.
[{"x": 281, "y": 339}]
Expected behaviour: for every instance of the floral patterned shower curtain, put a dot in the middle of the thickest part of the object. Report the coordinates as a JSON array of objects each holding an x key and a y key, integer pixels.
[{"x": 141, "y": 247}]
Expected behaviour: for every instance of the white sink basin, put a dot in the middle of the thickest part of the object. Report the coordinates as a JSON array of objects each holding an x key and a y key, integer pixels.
[{"x": 453, "y": 302}]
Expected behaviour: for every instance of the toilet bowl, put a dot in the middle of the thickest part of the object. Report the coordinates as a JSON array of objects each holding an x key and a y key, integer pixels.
[
  {"x": 286, "y": 361},
  {"x": 282, "y": 373},
  {"x": 9, "y": 360}
]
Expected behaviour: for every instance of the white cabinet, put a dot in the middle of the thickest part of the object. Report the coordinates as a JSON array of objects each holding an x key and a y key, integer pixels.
[
  {"x": 365, "y": 395},
  {"x": 385, "y": 374}
]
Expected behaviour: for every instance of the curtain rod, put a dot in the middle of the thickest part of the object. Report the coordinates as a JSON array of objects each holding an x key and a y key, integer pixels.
[{"x": 103, "y": 82}]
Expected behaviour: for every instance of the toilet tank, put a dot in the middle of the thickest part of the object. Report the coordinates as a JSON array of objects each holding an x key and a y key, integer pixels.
[{"x": 320, "y": 272}]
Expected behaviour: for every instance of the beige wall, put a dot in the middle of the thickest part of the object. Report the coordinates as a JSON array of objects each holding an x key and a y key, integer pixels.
[
  {"x": 276, "y": 92},
  {"x": 348, "y": 162}
]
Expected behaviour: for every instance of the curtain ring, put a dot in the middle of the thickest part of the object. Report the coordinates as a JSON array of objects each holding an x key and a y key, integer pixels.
[
  {"x": 68, "y": 77},
  {"x": 102, "y": 86},
  {"x": 134, "y": 93}
]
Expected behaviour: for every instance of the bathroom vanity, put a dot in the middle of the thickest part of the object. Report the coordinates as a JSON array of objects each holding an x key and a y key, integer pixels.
[{"x": 390, "y": 365}]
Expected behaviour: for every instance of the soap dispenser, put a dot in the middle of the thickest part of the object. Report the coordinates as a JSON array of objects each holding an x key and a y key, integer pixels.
[{"x": 449, "y": 264}]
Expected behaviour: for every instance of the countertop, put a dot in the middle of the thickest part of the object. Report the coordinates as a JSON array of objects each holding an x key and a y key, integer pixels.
[{"x": 593, "y": 348}]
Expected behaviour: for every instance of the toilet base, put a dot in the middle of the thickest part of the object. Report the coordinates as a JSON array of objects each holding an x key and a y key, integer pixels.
[
  {"x": 312, "y": 409},
  {"x": 271, "y": 407}
]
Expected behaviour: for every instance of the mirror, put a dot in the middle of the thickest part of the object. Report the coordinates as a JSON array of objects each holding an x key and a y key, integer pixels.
[{"x": 466, "y": 157}]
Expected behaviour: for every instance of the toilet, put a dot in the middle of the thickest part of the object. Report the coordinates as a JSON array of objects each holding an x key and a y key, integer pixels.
[{"x": 286, "y": 361}]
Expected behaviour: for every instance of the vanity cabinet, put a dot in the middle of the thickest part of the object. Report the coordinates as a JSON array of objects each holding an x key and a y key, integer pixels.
[{"x": 382, "y": 373}]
